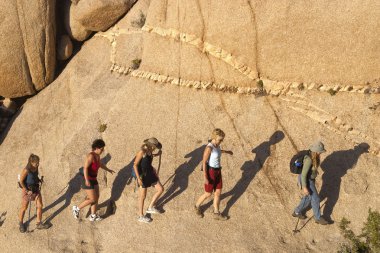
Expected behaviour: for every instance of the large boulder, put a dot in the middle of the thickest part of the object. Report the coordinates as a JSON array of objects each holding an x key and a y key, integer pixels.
[
  {"x": 81, "y": 18},
  {"x": 99, "y": 15},
  {"x": 27, "y": 55}
]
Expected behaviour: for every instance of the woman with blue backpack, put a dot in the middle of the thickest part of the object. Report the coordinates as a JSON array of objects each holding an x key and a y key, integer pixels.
[
  {"x": 310, "y": 164},
  {"x": 30, "y": 184}
]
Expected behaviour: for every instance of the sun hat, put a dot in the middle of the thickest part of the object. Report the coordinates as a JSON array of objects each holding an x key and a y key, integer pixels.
[
  {"x": 153, "y": 141},
  {"x": 318, "y": 147}
]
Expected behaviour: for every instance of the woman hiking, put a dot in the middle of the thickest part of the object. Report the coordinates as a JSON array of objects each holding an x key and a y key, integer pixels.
[
  {"x": 30, "y": 184},
  {"x": 307, "y": 178},
  {"x": 90, "y": 182},
  {"x": 147, "y": 176},
  {"x": 213, "y": 173}
]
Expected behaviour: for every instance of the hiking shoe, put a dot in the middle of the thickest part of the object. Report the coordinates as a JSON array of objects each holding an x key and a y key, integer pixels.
[
  {"x": 153, "y": 210},
  {"x": 198, "y": 211},
  {"x": 144, "y": 219},
  {"x": 219, "y": 216},
  {"x": 76, "y": 212},
  {"x": 22, "y": 228},
  {"x": 94, "y": 217},
  {"x": 299, "y": 215},
  {"x": 322, "y": 221},
  {"x": 42, "y": 226}
]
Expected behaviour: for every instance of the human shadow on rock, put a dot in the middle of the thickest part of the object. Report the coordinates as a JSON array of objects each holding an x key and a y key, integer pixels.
[
  {"x": 334, "y": 167},
  {"x": 123, "y": 178},
  {"x": 249, "y": 170},
  {"x": 181, "y": 176}
]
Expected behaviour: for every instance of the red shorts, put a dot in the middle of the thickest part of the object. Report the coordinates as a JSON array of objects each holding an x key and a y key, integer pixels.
[
  {"x": 32, "y": 197},
  {"x": 214, "y": 179}
]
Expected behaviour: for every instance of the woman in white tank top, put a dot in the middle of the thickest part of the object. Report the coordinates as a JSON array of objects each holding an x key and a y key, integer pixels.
[{"x": 213, "y": 173}]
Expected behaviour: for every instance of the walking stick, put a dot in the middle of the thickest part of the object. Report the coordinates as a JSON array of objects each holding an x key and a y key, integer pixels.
[{"x": 30, "y": 204}]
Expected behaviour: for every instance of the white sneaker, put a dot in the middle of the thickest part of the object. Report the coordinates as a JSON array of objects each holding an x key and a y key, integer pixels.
[
  {"x": 76, "y": 212},
  {"x": 94, "y": 217},
  {"x": 153, "y": 210},
  {"x": 144, "y": 219}
]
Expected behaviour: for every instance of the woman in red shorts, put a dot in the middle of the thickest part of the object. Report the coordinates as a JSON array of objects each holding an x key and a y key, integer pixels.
[{"x": 213, "y": 173}]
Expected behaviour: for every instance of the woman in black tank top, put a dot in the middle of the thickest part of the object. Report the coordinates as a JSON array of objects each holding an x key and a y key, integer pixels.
[{"x": 147, "y": 176}]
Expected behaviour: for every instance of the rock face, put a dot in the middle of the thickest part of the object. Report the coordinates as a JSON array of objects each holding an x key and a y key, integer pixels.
[
  {"x": 87, "y": 15},
  {"x": 138, "y": 101},
  {"x": 64, "y": 48},
  {"x": 27, "y": 56}
]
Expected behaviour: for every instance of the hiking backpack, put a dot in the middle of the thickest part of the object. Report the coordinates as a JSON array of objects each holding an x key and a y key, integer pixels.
[{"x": 296, "y": 163}]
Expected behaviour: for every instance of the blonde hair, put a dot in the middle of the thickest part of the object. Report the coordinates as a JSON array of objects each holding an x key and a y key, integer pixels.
[
  {"x": 217, "y": 132},
  {"x": 315, "y": 160},
  {"x": 147, "y": 146}
]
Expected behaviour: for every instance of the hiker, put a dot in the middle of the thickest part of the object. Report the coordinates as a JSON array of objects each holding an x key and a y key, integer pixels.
[
  {"x": 213, "y": 173},
  {"x": 306, "y": 179},
  {"x": 89, "y": 182},
  {"x": 147, "y": 176},
  {"x": 30, "y": 184}
]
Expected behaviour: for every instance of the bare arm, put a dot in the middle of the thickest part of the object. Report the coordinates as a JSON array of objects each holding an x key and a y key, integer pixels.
[
  {"x": 138, "y": 158},
  {"x": 104, "y": 167},
  {"x": 88, "y": 161},
  {"x": 23, "y": 175},
  {"x": 227, "y": 152}
]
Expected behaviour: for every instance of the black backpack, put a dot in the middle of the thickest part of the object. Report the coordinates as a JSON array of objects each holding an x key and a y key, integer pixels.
[{"x": 296, "y": 163}]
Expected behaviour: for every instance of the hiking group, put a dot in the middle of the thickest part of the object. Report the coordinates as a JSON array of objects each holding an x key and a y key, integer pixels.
[{"x": 147, "y": 176}]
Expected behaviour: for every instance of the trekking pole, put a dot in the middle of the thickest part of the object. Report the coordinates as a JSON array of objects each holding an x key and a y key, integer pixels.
[
  {"x": 30, "y": 203},
  {"x": 295, "y": 230}
]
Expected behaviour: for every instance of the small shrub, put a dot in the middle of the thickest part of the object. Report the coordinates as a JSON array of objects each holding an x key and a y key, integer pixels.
[
  {"x": 260, "y": 84},
  {"x": 367, "y": 241},
  {"x": 136, "y": 63},
  {"x": 331, "y": 92},
  {"x": 102, "y": 127},
  {"x": 301, "y": 86},
  {"x": 139, "y": 22}
]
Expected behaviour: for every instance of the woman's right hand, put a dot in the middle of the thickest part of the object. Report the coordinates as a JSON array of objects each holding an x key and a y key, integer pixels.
[
  {"x": 139, "y": 181},
  {"x": 87, "y": 183},
  {"x": 29, "y": 193},
  {"x": 305, "y": 191}
]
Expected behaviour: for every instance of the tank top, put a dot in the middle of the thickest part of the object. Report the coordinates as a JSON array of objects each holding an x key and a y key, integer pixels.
[
  {"x": 32, "y": 178},
  {"x": 214, "y": 160},
  {"x": 145, "y": 165},
  {"x": 93, "y": 168}
]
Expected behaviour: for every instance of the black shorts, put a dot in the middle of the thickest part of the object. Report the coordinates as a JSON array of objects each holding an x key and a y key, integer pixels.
[
  {"x": 149, "y": 180},
  {"x": 93, "y": 182}
]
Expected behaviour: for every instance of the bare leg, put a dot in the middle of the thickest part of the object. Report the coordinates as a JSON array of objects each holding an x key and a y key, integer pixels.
[
  {"x": 217, "y": 200},
  {"x": 39, "y": 208},
  {"x": 95, "y": 204},
  {"x": 159, "y": 191},
  {"x": 24, "y": 207},
  {"x": 141, "y": 201},
  {"x": 89, "y": 200},
  {"x": 202, "y": 198}
]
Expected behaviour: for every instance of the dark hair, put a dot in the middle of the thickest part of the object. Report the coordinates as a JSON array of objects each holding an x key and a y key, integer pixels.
[
  {"x": 32, "y": 159},
  {"x": 98, "y": 143}
]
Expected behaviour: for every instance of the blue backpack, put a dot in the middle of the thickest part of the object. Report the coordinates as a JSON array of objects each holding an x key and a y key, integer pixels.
[{"x": 296, "y": 163}]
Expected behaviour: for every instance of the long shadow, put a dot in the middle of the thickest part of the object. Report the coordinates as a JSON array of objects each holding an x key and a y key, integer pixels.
[
  {"x": 74, "y": 186},
  {"x": 249, "y": 171},
  {"x": 123, "y": 178},
  {"x": 335, "y": 166},
  {"x": 181, "y": 176}
]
